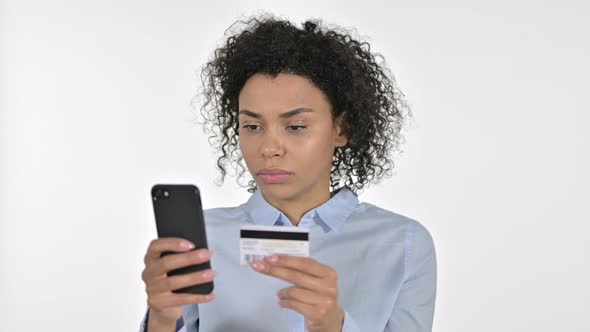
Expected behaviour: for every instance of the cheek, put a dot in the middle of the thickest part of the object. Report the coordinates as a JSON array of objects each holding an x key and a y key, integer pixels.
[
  {"x": 306, "y": 150},
  {"x": 246, "y": 149},
  {"x": 245, "y": 143},
  {"x": 312, "y": 149}
]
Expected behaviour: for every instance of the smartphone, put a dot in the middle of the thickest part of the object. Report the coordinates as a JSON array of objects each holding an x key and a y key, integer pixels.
[{"x": 178, "y": 213}]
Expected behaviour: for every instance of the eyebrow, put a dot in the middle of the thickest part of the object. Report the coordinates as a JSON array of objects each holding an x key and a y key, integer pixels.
[{"x": 282, "y": 115}]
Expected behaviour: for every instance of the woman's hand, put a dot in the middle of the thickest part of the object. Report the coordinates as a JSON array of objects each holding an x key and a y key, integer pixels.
[
  {"x": 166, "y": 307},
  {"x": 315, "y": 290}
]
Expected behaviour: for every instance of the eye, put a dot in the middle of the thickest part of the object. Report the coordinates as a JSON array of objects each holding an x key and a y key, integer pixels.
[
  {"x": 249, "y": 127},
  {"x": 298, "y": 128}
]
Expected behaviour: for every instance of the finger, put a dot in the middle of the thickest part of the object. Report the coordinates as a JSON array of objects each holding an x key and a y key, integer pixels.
[
  {"x": 176, "y": 299},
  {"x": 305, "y": 296},
  {"x": 310, "y": 312},
  {"x": 305, "y": 264},
  {"x": 180, "y": 281},
  {"x": 159, "y": 267},
  {"x": 157, "y": 246},
  {"x": 175, "y": 261},
  {"x": 295, "y": 277}
]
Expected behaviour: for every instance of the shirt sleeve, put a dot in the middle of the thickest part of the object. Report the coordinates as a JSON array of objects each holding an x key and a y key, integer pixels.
[
  {"x": 180, "y": 326},
  {"x": 414, "y": 307}
]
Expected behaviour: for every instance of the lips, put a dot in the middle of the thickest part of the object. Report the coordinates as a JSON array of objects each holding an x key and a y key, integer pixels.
[
  {"x": 273, "y": 175},
  {"x": 272, "y": 171}
]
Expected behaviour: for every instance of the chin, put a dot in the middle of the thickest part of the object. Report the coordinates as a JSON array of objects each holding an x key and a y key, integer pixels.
[{"x": 284, "y": 191}]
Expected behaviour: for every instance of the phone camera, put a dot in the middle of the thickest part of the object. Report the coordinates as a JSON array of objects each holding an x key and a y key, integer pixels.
[{"x": 160, "y": 193}]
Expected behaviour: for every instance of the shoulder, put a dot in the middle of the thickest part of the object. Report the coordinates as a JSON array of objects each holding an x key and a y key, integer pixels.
[
  {"x": 394, "y": 229},
  {"x": 390, "y": 222}
]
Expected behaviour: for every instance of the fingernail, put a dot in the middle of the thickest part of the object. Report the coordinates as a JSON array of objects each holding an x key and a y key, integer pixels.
[
  {"x": 203, "y": 254},
  {"x": 187, "y": 245},
  {"x": 258, "y": 266},
  {"x": 272, "y": 259}
]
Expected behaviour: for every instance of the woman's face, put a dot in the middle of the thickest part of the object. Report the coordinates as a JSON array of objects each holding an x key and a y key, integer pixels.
[{"x": 286, "y": 123}]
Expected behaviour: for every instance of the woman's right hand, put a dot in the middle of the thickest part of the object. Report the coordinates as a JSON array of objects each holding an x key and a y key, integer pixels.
[{"x": 166, "y": 306}]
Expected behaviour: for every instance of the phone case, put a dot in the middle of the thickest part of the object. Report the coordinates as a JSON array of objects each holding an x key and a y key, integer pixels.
[{"x": 178, "y": 213}]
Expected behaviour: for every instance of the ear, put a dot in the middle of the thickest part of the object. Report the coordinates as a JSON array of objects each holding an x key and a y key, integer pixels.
[{"x": 340, "y": 130}]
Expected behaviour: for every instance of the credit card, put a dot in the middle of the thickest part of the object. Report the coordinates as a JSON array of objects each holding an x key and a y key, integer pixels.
[{"x": 257, "y": 242}]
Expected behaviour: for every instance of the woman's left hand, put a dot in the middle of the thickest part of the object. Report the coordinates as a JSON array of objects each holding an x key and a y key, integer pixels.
[{"x": 315, "y": 290}]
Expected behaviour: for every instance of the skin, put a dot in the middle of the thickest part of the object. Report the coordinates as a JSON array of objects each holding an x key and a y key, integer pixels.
[
  {"x": 165, "y": 306},
  {"x": 268, "y": 140}
]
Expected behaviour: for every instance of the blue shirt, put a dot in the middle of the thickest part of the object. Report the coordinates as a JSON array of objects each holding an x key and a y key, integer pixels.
[{"x": 386, "y": 266}]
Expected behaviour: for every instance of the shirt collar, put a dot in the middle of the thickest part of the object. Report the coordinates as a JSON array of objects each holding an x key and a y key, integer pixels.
[{"x": 333, "y": 213}]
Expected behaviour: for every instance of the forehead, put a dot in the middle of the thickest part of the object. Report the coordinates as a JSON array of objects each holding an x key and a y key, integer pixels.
[{"x": 268, "y": 96}]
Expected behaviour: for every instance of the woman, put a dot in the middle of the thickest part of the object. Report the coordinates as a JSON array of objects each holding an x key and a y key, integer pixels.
[{"x": 306, "y": 109}]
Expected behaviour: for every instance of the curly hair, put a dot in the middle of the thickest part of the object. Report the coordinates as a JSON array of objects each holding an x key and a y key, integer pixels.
[{"x": 343, "y": 68}]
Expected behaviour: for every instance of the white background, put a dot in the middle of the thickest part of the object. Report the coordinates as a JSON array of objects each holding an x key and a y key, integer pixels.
[{"x": 95, "y": 108}]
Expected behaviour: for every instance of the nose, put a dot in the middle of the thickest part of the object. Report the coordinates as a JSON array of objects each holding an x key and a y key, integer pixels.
[{"x": 271, "y": 145}]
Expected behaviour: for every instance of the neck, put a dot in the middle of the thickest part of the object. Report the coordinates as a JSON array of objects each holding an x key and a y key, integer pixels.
[{"x": 294, "y": 208}]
